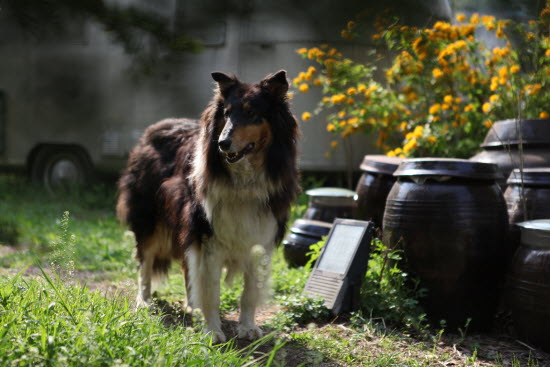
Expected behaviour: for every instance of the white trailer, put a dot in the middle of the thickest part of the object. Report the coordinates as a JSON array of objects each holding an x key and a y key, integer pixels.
[{"x": 74, "y": 105}]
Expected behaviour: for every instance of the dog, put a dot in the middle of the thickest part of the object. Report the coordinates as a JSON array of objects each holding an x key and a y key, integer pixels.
[{"x": 214, "y": 193}]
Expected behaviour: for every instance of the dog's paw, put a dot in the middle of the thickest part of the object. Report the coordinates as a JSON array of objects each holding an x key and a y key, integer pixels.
[
  {"x": 218, "y": 336},
  {"x": 249, "y": 332},
  {"x": 141, "y": 303}
]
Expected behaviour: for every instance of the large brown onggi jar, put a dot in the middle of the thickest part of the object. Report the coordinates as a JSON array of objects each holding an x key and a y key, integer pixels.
[
  {"x": 529, "y": 284},
  {"x": 374, "y": 185},
  {"x": 328, "y": 203},
  {"x": 533, "y": 204},
  {"x": 502, "y": 145},
  {"x": 449, "y": 217}
]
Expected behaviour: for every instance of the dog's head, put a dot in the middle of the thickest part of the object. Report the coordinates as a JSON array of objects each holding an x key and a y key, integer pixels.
[{"x": 248, "y": 109}]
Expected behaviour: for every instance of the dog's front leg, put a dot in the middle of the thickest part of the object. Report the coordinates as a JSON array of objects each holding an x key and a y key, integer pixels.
[
  {"x": 254, "y": 286},
  {"x": 210, "y": 273}
]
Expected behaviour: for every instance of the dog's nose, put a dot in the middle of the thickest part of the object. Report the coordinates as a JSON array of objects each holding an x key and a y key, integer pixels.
[{"x": 225, "y": 144}]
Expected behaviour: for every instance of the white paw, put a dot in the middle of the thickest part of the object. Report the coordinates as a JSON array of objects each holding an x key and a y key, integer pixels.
[
  {"x": 217, "y": 336},
  {"x": 250, "y": 332},
  {"x": 141, "y": 303}
]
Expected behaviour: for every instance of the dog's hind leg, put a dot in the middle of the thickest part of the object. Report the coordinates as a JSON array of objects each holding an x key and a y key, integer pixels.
[{"x": 145, "y": 269}]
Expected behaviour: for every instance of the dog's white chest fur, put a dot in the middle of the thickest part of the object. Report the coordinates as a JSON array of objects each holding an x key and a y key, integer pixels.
[{"x": 238, "y": 224}]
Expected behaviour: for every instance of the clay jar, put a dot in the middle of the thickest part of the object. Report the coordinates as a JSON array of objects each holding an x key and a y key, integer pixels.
[
  {"x": 328, "y": 203},
  {"x": 536, "y": 194},
  {"x": 529, "y": 284},
  {"x": 450, "y": 219},
  {"x": 374, "y": 185},
  {"x": 502, "y": 142}
]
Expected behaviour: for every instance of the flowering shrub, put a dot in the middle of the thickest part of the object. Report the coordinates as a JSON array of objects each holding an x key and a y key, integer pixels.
[{"x": 444, "y": 88}]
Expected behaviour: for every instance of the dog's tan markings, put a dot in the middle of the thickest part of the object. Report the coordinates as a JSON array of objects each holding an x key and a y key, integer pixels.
[
  {"x": 260, "y": 135},
  {"x": 229, "y": 107},
  {"x": 246, "y": 106}
]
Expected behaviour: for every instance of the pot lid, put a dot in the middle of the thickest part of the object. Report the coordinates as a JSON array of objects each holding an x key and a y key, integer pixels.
[
  {"x": 334, "y": 192},
  {"x": 533, "y": 131},
  {"x": 313, "y": 228},
  {"x": 535, "y": 233},
  {"x": 379, "y": 163},
  {"x": 531, "y": 176},
  {"x": 448, "y": 167}
]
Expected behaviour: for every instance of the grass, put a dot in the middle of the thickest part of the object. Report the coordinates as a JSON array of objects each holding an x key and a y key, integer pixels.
[{"x": 83, "y": 315}]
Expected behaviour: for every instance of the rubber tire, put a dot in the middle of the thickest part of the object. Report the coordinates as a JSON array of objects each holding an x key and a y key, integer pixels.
[{"x": 47, "y": 157}]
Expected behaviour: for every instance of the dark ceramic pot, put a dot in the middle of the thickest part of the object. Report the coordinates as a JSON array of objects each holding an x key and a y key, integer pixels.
[
  {"x": 449, "y": 217},
  {"x": 536, "y": 203},
  {"x": 328, "y": 203},
  {"x": 303, "y": 234},
  {"x": 374, "y": 186},
  {"x": 529, "y": 282},
  {"x": 501, "y": 145}
]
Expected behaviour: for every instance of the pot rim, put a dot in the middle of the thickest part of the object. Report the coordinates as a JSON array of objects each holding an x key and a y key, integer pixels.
[
  {"x": 452, "y": 167},
  {"x": 379, "y": 163},
  {"x": 535, "y": 233},
  {"x": 499, "y": 135}
]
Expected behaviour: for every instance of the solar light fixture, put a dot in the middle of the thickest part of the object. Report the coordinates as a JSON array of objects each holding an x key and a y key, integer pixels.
[{"x": 340, "y": 269}]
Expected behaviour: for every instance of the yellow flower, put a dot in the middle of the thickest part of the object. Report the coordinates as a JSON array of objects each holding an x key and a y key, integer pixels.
[
  {"x": 333, "y": 144},
  {"x": 351, "y": 24},
  {"x": 445, "y": 106},
  {"x": 460, "y": 17},
  {"x": 437, "y": 73},
  {"x": 454, "y": 124},
  {"x": 391, "y": 153},
  {"x": 338, "y": 98},
  {"x": 493, "y": 98},
  {"x": 330, "y": 127},
  {"x": 353, "y": 121},
  {"x": 432, "y": 139},
  {"x": 486, "y": 107},
  {"x": 352, "y": 91},
  {"x": 296, "y": 80},
  {"x": 342, "y": 114},
  {"x": 303, "y": 87},
  {"x": 543, "y": 115},
  {"x": 361, "y": 88},
  {"x": 345, "y": 34},
  {"x": 488, "y": 123},
  {"x": 311, "y": 70},
  {"x": 547, "y": 53},
  {"x": 398, "y": 150},
  {"x": 317, "y": 82},
  {"x": 448, "y": 99},
  {"x": 536, "y": 88},
  {"x": 306, "y": 116},
  {"x": 412, "y": 144},
  {"x": 434, "y": 108},
  {"x": 302, "y": 51},
  {"x": 474, "y": 18},
  {"x": 458, "y": 100},
  {"x": 326, "y": 99},
  {"x": 412, "y": 96},
  {"x": 350, "y": 101},
  {"x": 514, "y": 69},
  {"x": 403, "y": 125}
]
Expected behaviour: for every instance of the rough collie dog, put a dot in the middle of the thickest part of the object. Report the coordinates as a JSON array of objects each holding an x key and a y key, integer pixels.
[{"x": 210, "y": 194}]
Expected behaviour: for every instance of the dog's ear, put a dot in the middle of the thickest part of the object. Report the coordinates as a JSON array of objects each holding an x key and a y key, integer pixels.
[
  {"x": 224, "y": 81},
  {"x": 276, "y": 84}
]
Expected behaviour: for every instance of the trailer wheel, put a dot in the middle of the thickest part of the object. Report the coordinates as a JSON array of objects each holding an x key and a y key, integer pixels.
[{"x": 60, "y": 168}]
